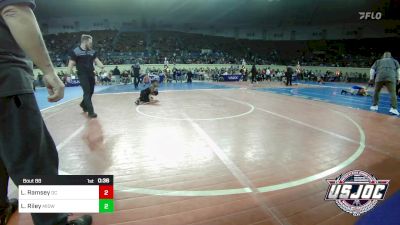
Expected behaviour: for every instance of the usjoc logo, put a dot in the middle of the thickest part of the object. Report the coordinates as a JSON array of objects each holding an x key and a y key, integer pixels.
[
  {"x": 356, "y": 191},
  {"x": 370, "y": 15}
]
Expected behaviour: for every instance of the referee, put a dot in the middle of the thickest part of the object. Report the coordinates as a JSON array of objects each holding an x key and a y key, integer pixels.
[
  {"x": 83, "y": 58},
  {"x": 26, "y": 146}
]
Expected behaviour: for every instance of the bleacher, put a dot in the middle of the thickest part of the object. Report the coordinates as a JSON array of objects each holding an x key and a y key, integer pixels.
[{"x": 185, "y": 48}]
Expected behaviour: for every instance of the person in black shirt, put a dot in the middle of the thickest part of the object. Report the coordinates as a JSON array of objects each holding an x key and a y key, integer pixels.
[
  {"x": 145, "y": 95},
  {"x": 189, "y": 77},
  {"x": 136, "y": 74},
  {"x": 254, "y": 73},
  {"x": 174, "y": 75},
  {"x": 117, "y": 75},
  {"x": 83, "y": 58},
  {"x": 289, "y": 76},
  {"x": 26, "y": 146}
]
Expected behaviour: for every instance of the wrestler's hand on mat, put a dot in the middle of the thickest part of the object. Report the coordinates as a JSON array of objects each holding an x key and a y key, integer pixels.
[{"x": 54, "y": 86}]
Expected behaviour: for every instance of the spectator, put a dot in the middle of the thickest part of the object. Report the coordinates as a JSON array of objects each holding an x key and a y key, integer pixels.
[
  {"x": 117, "y": 75},
  {"x": 268, "y": 74},
  {"x": 125, "y": 77},
  {"x": 105, "y": 78},
  {"x": 254, "y": 73}
]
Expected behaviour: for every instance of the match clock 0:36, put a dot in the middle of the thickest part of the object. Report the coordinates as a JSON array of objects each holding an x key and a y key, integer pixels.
[{"x": 103, "y": 180}]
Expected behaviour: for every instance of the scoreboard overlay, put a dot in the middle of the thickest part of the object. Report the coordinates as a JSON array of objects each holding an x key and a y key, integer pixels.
[{"x": 66, "y": 194}]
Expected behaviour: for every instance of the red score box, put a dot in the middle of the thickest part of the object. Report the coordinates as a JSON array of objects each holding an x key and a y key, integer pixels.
[{"x": 106, "y": 192}]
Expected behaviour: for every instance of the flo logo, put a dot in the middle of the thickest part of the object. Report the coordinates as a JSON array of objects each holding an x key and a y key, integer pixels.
[
  {"x": 370, "y": 15},
  {"x": 356, "y": 191}
]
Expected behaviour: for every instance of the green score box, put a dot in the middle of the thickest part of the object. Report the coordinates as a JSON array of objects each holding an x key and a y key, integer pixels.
[{"x": 106, "y": 205}]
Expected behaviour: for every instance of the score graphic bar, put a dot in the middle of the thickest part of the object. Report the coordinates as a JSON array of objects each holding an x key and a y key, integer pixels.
[{"x": 66, "y": 194}]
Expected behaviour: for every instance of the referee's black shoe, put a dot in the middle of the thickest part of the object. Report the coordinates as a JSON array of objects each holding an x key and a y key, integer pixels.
[
  {"x": 6, "y": 213},
  {"x": 84, "y": 220},
  {"x": 92, "y": 115},
  {"x": 83, "y": 107}
]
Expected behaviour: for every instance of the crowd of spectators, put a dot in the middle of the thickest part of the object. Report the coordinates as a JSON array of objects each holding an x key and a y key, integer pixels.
[
  {"x": 60, "y": 44},
  {"x": 174, "y": 73},
  {"x": 183, "y": 48}
]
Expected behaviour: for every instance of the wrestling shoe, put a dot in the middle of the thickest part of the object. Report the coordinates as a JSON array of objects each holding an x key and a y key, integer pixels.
[
  {"x": 6, "y": 213},
  {"x": 374, "y": 108},
  {"x": 84, "y": 220},
  {"x": 137, "y": 102},
  {"x": 394, "y": 111}
]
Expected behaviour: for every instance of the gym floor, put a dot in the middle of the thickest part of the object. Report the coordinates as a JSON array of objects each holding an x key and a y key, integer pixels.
[{"x": 222, "y": 153}]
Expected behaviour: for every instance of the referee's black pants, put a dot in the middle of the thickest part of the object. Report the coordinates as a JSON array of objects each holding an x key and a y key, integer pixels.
[
  {"x": 87, "y": 82},
  {"x": 136, "y": 81},
  {"x": 289, "y": 80},
  {"x": 26, "y": 148},
  {"x": 253, "y": 78}
]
